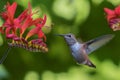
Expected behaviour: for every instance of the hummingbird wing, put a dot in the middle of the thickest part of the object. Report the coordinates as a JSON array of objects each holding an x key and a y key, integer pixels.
[
  {"x": 96, "y": 43},
  {"x": 86, "y": 61}
]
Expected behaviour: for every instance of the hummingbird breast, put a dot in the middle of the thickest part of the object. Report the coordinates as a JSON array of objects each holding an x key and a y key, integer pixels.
[
  {"x": 75, "y": 47},
  {"x": 77, "y": 53}
]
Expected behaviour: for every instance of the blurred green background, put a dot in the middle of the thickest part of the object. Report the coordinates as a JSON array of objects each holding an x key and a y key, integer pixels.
[{"x": 86, "y": 19}]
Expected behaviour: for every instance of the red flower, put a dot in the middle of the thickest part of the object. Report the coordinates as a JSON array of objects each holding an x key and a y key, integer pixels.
[
  {"x": 113, "y": 18},
  {"x": 12, "y": 25},
  {"x": 8, "y": 16},
  {"x": 37, "y": 30}
]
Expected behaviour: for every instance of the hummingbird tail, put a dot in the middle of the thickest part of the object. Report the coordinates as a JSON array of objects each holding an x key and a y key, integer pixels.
[{"x": 90, "y": 64}]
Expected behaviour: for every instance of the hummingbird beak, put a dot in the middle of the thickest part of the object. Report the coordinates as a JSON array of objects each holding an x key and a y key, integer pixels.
[{"x": 60, "y": 35}]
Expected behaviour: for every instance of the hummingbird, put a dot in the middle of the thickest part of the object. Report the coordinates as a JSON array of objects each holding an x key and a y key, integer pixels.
[{"x": 81, "y": 50}]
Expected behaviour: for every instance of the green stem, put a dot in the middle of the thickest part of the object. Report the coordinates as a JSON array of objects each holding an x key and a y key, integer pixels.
[{"x": 5, "y": 55}]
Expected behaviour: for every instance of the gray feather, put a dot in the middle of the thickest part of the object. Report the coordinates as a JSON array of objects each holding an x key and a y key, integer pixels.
[{"x": 96, "y": 43}]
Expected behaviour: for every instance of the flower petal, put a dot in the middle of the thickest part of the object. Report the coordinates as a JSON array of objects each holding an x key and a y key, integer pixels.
[
  {"x": 32, "y": 32},
  {"x": 44, "y": 20},
  {"x": 25, "y": 25},
  {"x": 117, "y": 10},
  {"x": 10, "y": 36},
  {"x": 37, "y": 29},
  {"x": 115, "y": 24},
  {"x": 22, "y": 16},
  {"x": 110, "y": 13},
  {"x": 11, "y": 11},
  {"x": 1, "y": 30},
  {"x": 36, "y": 21},
  {"x": 7, "y": 31},
  {"x": 41, "y": 35}
]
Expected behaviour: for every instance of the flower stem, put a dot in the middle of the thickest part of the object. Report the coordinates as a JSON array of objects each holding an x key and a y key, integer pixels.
[{"x": 5, "y": 55}]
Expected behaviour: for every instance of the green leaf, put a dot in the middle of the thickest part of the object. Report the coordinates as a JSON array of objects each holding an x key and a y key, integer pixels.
[
  {"x": 64, "y": 9},
  {"x": 32, "y": 75}
]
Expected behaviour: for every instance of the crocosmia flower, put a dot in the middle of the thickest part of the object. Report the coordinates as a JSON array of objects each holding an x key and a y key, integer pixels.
[
  {"x": 113, "y": 18},
  {"x": 15, "y": 29}
]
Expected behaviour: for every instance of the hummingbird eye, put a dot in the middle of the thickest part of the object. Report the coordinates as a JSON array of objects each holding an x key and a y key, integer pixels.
[{"x": 69, "y": 35}]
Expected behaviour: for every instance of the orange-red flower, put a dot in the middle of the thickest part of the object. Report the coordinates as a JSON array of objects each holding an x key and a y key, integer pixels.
[
  {"x": 13, "y": 25},
  {"x": 113, "y": 18}
]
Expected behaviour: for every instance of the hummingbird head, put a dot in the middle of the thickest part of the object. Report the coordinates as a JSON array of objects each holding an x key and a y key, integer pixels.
[{"x": 70, "y": 38}]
